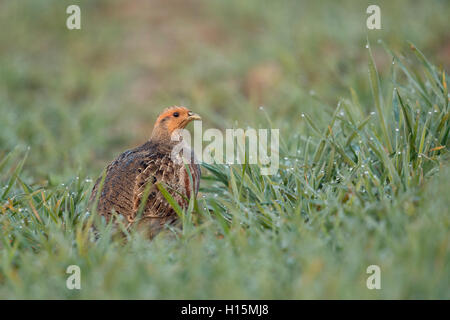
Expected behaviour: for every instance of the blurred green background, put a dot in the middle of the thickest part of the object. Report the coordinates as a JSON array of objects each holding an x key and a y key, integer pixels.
[{"x": 77, "y": 98}]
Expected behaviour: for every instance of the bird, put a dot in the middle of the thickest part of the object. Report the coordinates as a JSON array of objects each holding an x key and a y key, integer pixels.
[{"x": 135, "y": 174}]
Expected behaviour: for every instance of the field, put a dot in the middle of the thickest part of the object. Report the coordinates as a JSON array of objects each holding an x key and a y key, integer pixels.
[{"x": 364, "y": 173}]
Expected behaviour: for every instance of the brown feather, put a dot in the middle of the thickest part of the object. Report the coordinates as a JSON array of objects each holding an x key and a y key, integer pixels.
[{"x": 128, "y": 176}]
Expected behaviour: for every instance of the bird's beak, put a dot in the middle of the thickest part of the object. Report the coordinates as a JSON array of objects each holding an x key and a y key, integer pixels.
[{"x": 193, "y": 116}]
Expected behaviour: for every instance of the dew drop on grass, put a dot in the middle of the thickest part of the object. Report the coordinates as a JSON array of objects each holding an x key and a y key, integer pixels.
[
  {"x": 397, "y": 129},
  {"x": 303, "y": 115},
  {"x": 367, "y": 46},
  {"x": 261, "y": 108},
  {"x": 372, "y": 113}
]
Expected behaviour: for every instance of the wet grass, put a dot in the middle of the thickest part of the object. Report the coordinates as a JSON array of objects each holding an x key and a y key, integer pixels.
[{"x": 363, "y": 173}]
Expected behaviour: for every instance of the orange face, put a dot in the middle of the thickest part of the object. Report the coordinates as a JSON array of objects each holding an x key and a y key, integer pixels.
[{"x": 175, "y": 118}]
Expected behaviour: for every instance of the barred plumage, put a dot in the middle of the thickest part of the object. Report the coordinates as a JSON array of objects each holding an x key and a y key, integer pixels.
[{"x": 128, "y": 176}]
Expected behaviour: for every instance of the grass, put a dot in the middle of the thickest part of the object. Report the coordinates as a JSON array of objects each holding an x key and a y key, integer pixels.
[{"x": 363, "y": 159}]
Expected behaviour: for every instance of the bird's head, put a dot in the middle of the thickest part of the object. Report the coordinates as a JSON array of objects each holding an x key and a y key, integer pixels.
[{"x": 171, "y": 119}]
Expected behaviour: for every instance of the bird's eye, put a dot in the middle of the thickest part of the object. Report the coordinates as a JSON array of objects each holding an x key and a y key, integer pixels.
[{"x": 176, "y": 114}]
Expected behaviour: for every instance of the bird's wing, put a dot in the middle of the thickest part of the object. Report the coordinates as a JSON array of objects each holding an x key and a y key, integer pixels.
[
  {"x": 173, "y": 177},
  {"x": 114, "y": 188},
  {"x": 131, "y": 180},
  {"x": 154, "y": 170}
]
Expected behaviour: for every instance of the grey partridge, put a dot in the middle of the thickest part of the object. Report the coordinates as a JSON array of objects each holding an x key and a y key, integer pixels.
[{"x": 141, "y": 169}]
